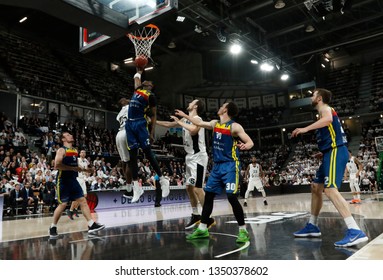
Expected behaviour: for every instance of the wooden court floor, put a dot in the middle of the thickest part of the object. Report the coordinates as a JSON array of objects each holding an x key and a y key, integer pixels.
[{"x": 149, "y": 233}]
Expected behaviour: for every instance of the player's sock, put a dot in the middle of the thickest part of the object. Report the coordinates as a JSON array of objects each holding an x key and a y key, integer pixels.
[
  {"x": 313, "y": 220},
  {"x": 350, "y": 223}
]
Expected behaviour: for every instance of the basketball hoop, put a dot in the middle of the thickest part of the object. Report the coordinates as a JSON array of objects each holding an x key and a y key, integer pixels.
[{"x": 143, "y": 39}]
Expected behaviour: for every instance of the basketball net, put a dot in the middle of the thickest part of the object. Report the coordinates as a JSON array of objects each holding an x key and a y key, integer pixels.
[{"x": 143, "y": 39}]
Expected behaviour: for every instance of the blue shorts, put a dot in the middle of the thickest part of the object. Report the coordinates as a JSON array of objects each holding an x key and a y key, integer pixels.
[
  {"x": 331, "y": 171},
  {"x": 68, "y": 190},
  {"x": 224, "y": 175},
  {"x": 137, "y": 133}
]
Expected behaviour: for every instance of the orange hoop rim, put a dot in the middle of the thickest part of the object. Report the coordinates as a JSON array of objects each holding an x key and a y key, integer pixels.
[{"x": 139, "y": 38}]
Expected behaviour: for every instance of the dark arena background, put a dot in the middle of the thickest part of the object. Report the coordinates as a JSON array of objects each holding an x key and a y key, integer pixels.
[{"x": 65, "y": 64}]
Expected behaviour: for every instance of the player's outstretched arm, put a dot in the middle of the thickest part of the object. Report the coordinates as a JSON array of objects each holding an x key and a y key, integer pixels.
[
  {"x": 196, "y": 121},
  {"x": 193, "y": 129},
  {"x": 137, "y": 78},
  {"x": 167, "y": 124}
]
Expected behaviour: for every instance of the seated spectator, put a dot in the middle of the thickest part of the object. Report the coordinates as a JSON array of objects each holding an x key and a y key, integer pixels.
[
  {"x": 16, "y": 198},
  {"x": 98, "y": 185},
  {"x": 29, "y": 199},
  {"x": 49, "y": 195},
  {"x": 112, "y": 185}
]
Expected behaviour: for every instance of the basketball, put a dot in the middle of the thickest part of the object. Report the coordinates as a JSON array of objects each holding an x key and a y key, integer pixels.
[{"x": 141, "y": 61}]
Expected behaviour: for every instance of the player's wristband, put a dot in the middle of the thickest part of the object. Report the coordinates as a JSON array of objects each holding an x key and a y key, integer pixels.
[{"x": 137, "y": 75}]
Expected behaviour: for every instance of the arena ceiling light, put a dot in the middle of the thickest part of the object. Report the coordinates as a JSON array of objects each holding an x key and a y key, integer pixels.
[
  {"x": 253, "y": 61},
  {"x": 23, "y": 19},
  {"x": 180, "y": 18},
  {"x": 279, "y": 4},
  {"x": 309, "y": 28},
  {"x": 129, "y": 60},
  {"x": 266, "y": 67},
  {"x": 235, "y": 48},
  {"x": 285, "y": 77}
]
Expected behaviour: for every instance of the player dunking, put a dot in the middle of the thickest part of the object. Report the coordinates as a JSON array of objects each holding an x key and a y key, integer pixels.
[
  {"x": 196, "y": 158},
  {"x": 353, "y": 169},
  {"x": 122, "y": 144},
  {"x": 227, "y": 137},
  {"x": 68, "y": 188},
  {"x": 143, "y": 102},
  {"x": 254, "y": 176}
]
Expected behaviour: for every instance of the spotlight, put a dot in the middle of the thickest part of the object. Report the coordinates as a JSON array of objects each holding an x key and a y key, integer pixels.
[
  {"x": 279, "y": 4},
  {"x": 253, "y": 61},
  {"x": 235, "y": 48},
  {"x": 180, "y": 18},
  {"x": 129, "y": 60},
  {"x": 266, "y": 67},
  {"x": 309, "y": 28},
  {"x": 284, "y": 77},
  {"x": 23, "y": 19}
]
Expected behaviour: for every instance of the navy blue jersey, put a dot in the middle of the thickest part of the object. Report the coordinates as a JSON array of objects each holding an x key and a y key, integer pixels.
[
  {"x": 140, "y": 103},
  {"x": 69, "y": 159},
  {"x": 331, "y": 136}
]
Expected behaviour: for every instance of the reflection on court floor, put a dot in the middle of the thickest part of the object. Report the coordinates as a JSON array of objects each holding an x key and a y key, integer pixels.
[{"x": 150, "y": 233}]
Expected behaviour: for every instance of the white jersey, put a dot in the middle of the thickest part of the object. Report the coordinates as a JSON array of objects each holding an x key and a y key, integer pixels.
[
  {"x": 123, "y": 116},
  {"x": 83, "y": 163},
  {"x": 352, "y": 168},
  {"x": 254, "y": 172},
  {"x": 194, "y": 144}
]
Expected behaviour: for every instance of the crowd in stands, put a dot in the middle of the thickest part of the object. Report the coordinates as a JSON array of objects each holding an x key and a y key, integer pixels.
[
  {"x": 302, "y": 165},
  {"x": 376, "y": 102},
  {"x": 43, "y": 71},
  {"x": 22, "y": 169},
  {"x": 344, "y": 84},
  {"x": 368, "y": 154}
]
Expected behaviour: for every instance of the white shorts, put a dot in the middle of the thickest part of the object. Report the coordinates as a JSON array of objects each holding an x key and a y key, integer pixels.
[
  {"x": 257, "y": 183},
  {"x": 196, "y": 169},
  {"x": 81, "y": 181},
  {"x": 122, "y": 145},
  {"x": 354, "y": 185}
]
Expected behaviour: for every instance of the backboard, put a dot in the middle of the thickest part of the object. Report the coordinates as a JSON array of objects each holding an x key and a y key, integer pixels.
[
  {"x": 137, "y": 12},
  {"x": 140, "y": 11}
]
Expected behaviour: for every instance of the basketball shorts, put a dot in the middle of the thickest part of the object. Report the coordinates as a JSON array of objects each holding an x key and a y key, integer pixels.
[
  {"x": 196, "y": 169},
  {"x": 224, "y": 176},
  {"x": 82, "y": 183},
  {"x": 68, "y": 190},
  {"x": 354, "y": 184},
  {"x": 257, "y": 183},
  {"x": 137, "y": 133},
  {"x": 331, "y": 170},
  {"x": 122, "y": 145}
]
